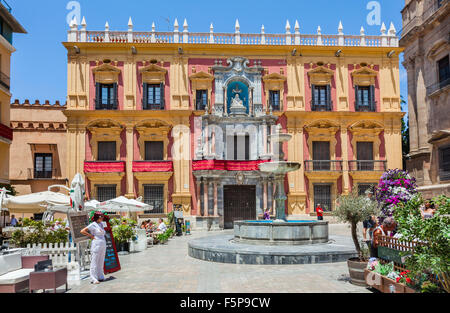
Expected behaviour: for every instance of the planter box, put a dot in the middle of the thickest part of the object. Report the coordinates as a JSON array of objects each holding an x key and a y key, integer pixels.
[{"x": 384, "y": 284}]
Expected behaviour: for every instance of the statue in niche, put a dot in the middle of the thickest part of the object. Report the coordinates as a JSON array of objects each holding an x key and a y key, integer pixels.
[{"x": 237, "y": 102}]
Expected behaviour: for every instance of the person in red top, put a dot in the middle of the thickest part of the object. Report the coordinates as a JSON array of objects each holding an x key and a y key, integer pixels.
[{"x": 319, "y": 212}]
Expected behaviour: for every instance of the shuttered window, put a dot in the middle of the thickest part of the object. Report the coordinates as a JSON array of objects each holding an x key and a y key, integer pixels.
[
  {"x": 106, "y": 97},
  {"x": 321, "y": 98},
  {"x": 365, "y": 156},
  {"x": 154, "y": 150},
  {"x": 321, "y": 155},
  {"x": 201, "y": 100},
  {"x": 153, "y": 98},
  {"x": 107, "y": 151},
  {"x": 43, "y": 165},
  {"x": 365, "y": 98},
  {"x": 274, "y": 96}
]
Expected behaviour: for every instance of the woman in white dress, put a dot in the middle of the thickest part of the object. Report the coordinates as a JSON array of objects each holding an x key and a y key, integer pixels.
[{"x": 96, "y": 232}]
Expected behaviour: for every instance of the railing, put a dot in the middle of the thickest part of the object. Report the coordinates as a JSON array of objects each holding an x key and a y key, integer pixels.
[
  {"x": 237, "y": 38},
  {"x": 5, "y": 81},
  {"x": 320, "y": 106},
  {"x": 368, "y": 166},
  {"x": 417, "y": 20},
  {"x": 437, "y": 86},
  {"x": 43, "y": 174},
  {"x": 153, "y": 106},
  {"x": 365, "y": 107},
  {"x": 58, "y": 253},
  {"x": 113, "y": 104},
  {"x": 323, "y": 166}
]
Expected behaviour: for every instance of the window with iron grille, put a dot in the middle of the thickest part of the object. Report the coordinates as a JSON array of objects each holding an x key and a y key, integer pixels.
[
  {"x": 275, "y": 103},
  {"x": 322, "y": 196},
  {"x": 107, "y": 151},
  {"x": 201, "y": 100},
  {"x": 106, "y": 97},
  {"x": 444, "y": 164},
  {"x": 43, "y": 165},
  {"x": 154, "y": 196},
  {"x": 365, "y": 98},
  {"x": 153, "y": 97},
  {"x": 154, "y": 151},
  {"x": 106, "y": 192},
  {"x": 362, "y": 188}
]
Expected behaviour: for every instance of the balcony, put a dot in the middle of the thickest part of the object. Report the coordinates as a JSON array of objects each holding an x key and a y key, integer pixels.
[
  {"x": 323, "y": 166},
  {"x": 104, "y": 166},
  {"x": 5, "y": 81},
  {"x": 44, "y": 174},
  {"x": 112, "y": 104},
  {"x": 152, "y": 166},
  {"x": 365, "y": 106},
  {"x": 6, "y": 132},
  {"x": 367, "y": 166},
  {"x": 432, "y": 89},
  {"x": 221, "y": 165},
  {"x": 321, "y": 106},
  {"x": 418, "y": 20}
]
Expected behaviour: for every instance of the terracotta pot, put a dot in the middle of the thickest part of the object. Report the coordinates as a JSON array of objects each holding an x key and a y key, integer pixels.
[{"x": 356, "y": 269}]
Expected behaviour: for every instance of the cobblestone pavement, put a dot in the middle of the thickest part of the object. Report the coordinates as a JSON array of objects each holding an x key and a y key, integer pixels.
[{"x": 168, "y": 269}]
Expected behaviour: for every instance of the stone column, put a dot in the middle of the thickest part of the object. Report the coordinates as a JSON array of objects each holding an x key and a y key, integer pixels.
[
  {"x": 199, "y": 202},
  {"x": 345, "y": 169},
  {"x": 81, "y": 149},
  {"x": 265, "y": 199},
  {"x": 130, "y": 158},
  {"x": 216, "y": 212},
  {"x": 205, "y": 198}
]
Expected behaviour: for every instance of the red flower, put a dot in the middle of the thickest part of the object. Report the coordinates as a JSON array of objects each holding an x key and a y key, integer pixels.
[
  {"x": 398, "y": 279},
  {"x": 408, "y": 280}
]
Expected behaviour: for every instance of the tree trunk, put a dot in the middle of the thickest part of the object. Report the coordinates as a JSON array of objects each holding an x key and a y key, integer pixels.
[{"x": 355, "y": 240}]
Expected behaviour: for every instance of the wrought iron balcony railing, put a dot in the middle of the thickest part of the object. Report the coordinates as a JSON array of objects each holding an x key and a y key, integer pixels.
[
  {"x": 368, "y": 166},
  {"x": 365, "y": 106},
  {"x": 438, "y": 86},
  {"x": 321, "y": 106},
  {"x": 43, "y": 173},
  {"x": 323, "y": 166},
  {"x": 153, "y": 106},
  {"x": 113, "y": 104}
]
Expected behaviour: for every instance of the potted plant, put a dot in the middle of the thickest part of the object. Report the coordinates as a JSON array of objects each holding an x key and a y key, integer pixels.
[
  {"x": 354, "y": 209},
  {"x": 123, "y": 231}
]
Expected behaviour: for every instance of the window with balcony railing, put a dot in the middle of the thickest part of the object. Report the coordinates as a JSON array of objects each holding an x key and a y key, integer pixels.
[
  {"x": 107, "y": 151},
  {"x": 274, "y": 100},
  {"x": 321, "y": 98},
  {"x": 154, "y": 151},
  {"x": 444, "y": 163},
  {"x": 444, "y": 71},
  {"x": 106, "y": 97},
  {"x": 365, "y": 99},
  {"x": 153, "y": 98}
]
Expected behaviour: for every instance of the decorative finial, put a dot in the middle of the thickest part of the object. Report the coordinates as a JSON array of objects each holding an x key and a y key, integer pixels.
[
  {"x": 392, "y": 30},
  {"x": 175, "y": 25},
  {"x": 107, "y": 26},
  {"x": 130, "y": 22},
  {"x": 237, "y": 26},
  {"x": 383, "y": 29},
  {"x": 340, "y": 28},
  {"x": 288, "y": 26},
  {"x": 153, "y": 26},
  {"x": 362, "y": 31},
  {"x": 185, "y": 24},
  {"x": 297, "y": 26},
  {"x": 319, "y": 30},
  {"x": 83, "y": 22},
  {"x": 211, "y": 27}
]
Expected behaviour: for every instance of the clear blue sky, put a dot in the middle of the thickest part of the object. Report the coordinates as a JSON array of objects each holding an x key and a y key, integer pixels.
[{"x": 39, "y": 65}]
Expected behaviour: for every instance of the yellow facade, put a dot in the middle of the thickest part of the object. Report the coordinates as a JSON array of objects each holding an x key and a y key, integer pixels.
[{"x": 184, "y": 67}]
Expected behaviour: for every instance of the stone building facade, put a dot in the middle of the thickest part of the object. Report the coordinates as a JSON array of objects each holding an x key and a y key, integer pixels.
[
  {"x": 8, "y": 26},
  {"x": 184, "y": 119},
  {"x": 38, "y": 153},
  {"x": 425, "y": 37}
]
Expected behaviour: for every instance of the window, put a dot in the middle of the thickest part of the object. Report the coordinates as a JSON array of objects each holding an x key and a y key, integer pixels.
[
  {"x": 43, "y": 165},
  {"x": 322, "y": 196},
  {"x": 274, "y": 98},
  {"x": 153, "y": 97},
  {"x": 106, "y": 97},
  {"x": 365, "y": 98},
  {"x": 154, "y": 150},
  {"x": 444, "y": 163},
  {"x": 362, "y": 188},
  {"x": 106, "y": 192},
  {"x": 107, "y": 151},
  {"x": 154, "y": 196},
  {"x": 444, "y": 71},
  {"x": 201, "y": 100},
  {"x": 365, "y": 156},
  {"x": 6, "y": 31},
  {"x": 321, "y": 98},
  {"x": 241, "y": 147},
  {"x": 321, "y": 155}
]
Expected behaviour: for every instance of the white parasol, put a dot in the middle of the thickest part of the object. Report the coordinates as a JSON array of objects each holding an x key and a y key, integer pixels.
[
  {"x": 122, "y": 204},
  {"x": 77, "y": 193},
  {"x": 35, "y": 202}
]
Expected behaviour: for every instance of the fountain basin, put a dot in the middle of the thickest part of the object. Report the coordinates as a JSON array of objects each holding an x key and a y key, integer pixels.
[{"x": 281, "y": 233}]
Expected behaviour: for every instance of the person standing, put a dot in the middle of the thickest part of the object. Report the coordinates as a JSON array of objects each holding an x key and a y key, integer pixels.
[
  {"x": 388, "y": 225},
  {"x": 369, "y": 225},
  {"x": 96, "y": 232},
  {"x": 319, "y": 212}
]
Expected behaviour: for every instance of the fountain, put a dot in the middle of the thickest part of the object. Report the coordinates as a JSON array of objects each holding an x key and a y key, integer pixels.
[{"x": 275, "y": 242}]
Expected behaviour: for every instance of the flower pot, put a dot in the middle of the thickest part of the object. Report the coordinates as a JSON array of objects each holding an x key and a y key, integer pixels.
[
  {"x": 356, "y": 269},
  {"x": 123, "y": 247}
]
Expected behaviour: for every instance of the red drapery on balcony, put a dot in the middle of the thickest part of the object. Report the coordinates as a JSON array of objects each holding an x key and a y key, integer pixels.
[
  {"x": 144, "y": 167},
  {"x": 104, "y": 167},
  {"x": 220, "y": 165},
  {"x": 6, "y": 132}
]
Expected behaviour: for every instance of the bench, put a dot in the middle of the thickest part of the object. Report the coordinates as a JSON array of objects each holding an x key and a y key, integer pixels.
[{"x": 15, "y": 271}]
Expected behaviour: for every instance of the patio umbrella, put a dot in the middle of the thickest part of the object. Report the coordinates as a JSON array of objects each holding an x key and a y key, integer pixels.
[
  {"x": 122, "y": 204},
  {"x": 35, "y": 202},
  {"x": 77, "y": 193},
  {"x": 91, "y": 205}
]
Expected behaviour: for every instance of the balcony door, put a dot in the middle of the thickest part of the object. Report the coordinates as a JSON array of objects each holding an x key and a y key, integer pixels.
[
  {"x": 365, "y": 156},
  {"x": 154, "y": 151},
  {"x": 107, "y": 151},
  {"x": 238, "y": 147},
  {"x": 321, "y": 155}
]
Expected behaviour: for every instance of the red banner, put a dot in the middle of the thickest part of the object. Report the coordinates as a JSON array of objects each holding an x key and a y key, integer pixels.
[
  {"x": 104, "y": 167},
  {"x": 220, "y": 165},
  {"x": 6, "y": 132},
  {"x": 144, "y": 167}
]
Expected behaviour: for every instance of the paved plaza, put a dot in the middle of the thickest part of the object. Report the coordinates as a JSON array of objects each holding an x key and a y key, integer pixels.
[{"x": 169, "y": 269}]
